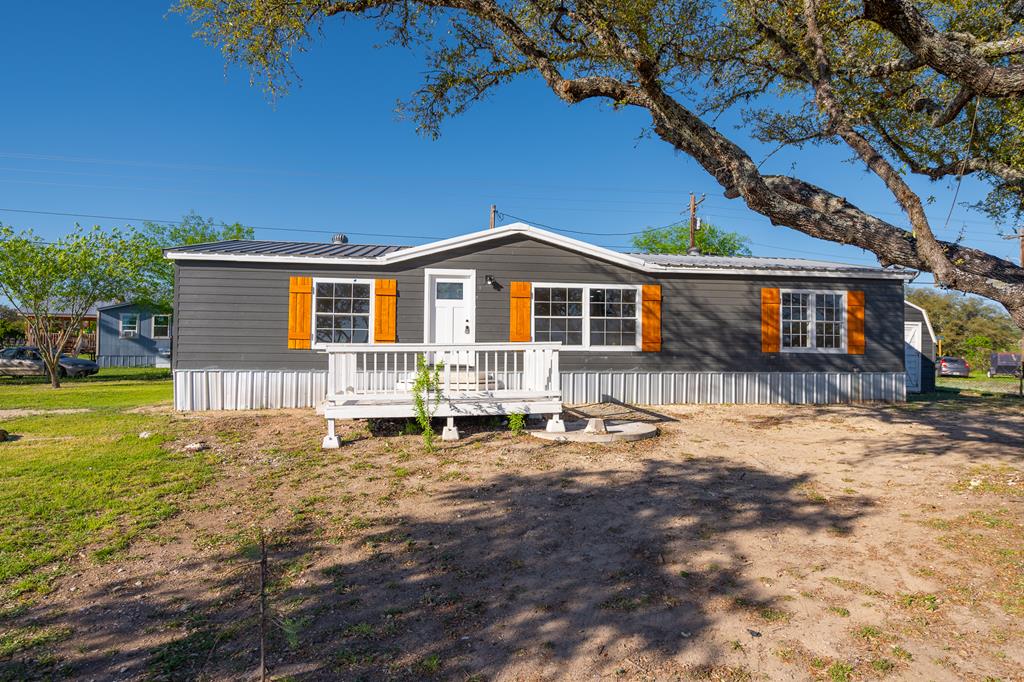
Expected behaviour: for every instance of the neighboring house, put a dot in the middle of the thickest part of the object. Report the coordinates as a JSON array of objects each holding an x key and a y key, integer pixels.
[
  {"x": 920, "y": 341},
  {"x": 131, "y": 335},
  {"x": 253, "y": 319}
]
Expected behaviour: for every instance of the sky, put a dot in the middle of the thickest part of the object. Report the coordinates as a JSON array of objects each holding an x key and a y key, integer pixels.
[{"x": 115, "y": 110}]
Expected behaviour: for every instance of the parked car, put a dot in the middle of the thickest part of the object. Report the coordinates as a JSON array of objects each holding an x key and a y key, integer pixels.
[
  {"x": 1004, "y": 364},
  {"x": 950, "y": 366},
  {"x": 25, "y": 361}
]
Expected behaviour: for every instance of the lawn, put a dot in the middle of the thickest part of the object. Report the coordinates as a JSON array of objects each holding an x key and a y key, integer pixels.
[
  {"x": 746, "y": 542},
  {"x": 979, "y": 382},
  {"x": 77, "y": 474}
]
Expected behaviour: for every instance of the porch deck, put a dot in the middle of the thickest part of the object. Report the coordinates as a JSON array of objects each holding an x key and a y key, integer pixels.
[{"x": 475, "y": 379}]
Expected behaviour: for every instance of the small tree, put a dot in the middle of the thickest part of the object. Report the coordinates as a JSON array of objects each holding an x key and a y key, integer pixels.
[
  {"x": 53, "y": 285},
  {"x": 426, "y": 396},
  {"x": 711, "y": 240}
]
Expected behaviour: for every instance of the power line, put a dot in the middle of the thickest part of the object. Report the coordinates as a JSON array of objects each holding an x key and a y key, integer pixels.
[{"x": 180, "y": 222}]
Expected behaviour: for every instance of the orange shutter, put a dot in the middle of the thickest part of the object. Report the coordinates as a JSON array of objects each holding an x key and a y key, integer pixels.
[
  {"x": 300, "y": 312},
  {"x": 519, "y": 311},
  {"x": 771, "y": 302},
  {"x": 650, "y": 318},
  {"x": 855, "y": 322},
  {"x": 385, "y": 311}
]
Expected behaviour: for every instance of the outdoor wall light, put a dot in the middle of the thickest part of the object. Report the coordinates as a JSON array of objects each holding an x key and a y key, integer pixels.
[{"x": 491, "y": 281}]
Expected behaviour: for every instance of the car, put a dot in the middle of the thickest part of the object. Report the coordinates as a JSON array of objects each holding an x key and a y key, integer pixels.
[
  {"x": 950, "y": 366},
  {"x": 1008, "y": 364},
  {"x": 22, "y": 361}
]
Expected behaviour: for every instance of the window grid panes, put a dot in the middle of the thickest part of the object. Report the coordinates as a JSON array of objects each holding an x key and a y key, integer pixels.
[
  {"x": 612, "y": 317},
  {"x": 558, "y": 315},
  {"x": 161, "y": 326},
  {"x": 586, "y": 316},
  {"x": 342, "y": 312},
  {"x": 812, "y": 320},
  {"x": 828, "y": 323}
]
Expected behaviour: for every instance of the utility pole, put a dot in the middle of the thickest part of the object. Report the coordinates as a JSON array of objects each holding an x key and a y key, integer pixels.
[
  {"x": 494, "y": 210},
  {"x": 1020, "y": 240},
  {"x": 693, "y": 250}
]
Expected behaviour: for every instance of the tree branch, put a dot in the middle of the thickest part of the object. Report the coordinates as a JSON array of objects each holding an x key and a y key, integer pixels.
[{"x": 963, "y": 63}]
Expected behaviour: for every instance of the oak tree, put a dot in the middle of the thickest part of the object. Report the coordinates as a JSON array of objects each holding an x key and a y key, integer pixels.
[{"x": 925, "y": 87}]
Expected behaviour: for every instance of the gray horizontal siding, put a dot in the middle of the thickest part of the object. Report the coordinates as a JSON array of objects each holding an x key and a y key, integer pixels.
[{"x": 234, "y": 315}]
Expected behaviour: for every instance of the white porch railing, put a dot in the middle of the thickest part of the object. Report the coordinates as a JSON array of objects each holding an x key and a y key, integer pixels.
[{"x": 468, "y": 370}]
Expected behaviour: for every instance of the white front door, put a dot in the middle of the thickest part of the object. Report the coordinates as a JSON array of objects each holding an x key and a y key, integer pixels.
[
  {"x": 451, "y": 307},
  {"x": 912, "y": 355}
]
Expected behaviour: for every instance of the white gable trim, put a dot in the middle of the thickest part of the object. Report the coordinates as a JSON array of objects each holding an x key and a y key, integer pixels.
[
  {"x": 927, "y": 320},
  {"x": 473, "y": 238}
]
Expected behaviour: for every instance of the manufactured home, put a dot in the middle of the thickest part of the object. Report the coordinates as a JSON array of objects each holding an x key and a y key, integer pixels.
[
  {"x": 133, "y": 335},
  {"x": 523, "y": 319}
]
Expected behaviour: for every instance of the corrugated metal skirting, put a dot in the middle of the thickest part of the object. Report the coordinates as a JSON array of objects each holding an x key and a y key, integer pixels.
[
  {"x": 196, "y": 390},
  {"x": 666, "y": 388},
  {"x": 209, "y": 389},
  {"x": 125, "y": 360}
]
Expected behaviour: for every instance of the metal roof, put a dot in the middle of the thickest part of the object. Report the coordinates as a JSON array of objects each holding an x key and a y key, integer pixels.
[
  {"x": 257, "y": 247},
  {"x": 755, "y": 263},
  {"x": 383, "y": 256}
]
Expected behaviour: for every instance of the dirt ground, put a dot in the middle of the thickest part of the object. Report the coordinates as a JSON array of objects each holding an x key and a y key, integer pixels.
[{"x": 746, "y": 542}]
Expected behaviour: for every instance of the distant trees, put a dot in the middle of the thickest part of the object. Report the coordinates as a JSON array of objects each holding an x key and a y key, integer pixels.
[
  {"x": 711, "y": 240},
  {"x": 11, "y": 327},
  {"x": 157, "y": 287},
  {"x": 53, "y": 284},
  {"x": 970, "y": 327}
]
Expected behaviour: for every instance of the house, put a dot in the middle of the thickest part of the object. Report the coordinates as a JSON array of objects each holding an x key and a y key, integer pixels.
[
  {"x": 522, "y": 314},
  {"x": 920, "y": 342},
  {"x": 133, "y": 335}
]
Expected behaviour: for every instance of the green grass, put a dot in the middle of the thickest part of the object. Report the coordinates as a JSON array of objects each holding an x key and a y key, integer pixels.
[
  {"x": 85, "y": 479},
  {"x": 119, "y": 387}
]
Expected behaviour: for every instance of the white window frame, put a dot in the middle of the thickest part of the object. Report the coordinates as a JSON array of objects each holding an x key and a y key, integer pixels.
[
  {"x": 586, "y": 314},
  {"x": 812, "y": 322},
  {"x": 341, "y": 280},
  {"x": 120, "y": 324},
  {"x": 170, "y": 321}
]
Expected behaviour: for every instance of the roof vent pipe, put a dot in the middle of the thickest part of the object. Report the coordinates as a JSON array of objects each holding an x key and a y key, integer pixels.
[{"x": 339, "y": 239}]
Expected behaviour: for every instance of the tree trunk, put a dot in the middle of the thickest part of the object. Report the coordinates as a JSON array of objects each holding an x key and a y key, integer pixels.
[{"x": 54, "y": 371}]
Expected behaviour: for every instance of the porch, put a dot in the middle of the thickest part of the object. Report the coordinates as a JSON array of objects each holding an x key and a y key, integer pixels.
[{"x": 474, "y": 380}]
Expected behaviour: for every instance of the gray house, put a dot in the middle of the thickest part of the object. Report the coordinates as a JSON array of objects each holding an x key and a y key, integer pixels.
[
  {"x": 131, "y": 335},
  {"x": 264, "y": 324},
  {"x": 920, "y": 342}
]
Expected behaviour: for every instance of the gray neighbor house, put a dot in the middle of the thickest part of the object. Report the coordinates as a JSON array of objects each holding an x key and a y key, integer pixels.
[
  {"x": 132, "y": 335},
  {"x": 268, "y": 324}
]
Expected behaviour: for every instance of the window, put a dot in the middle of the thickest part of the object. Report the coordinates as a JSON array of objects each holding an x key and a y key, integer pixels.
[
  {"x": 341, "y": 311},
  {"x": 9, "y": 353},
  {"x": 558, "y": 315},
  {"x": 448, "y": 291},
  {"x": 161, "y": 326},
  {"x": 812, "y": 320},
  {"x": 587, "y": 316},
  {"x": 613, "y": 317},
  {"x": 129, "y": 324}
]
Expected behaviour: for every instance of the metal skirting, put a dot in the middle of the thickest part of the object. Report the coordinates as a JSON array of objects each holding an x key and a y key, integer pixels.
[
  {"x": 215, "y": 389},
  {"x": 210, "y": 389},
  {"x": 125, "y": 360},
  {"x": 667, "y": 388}
]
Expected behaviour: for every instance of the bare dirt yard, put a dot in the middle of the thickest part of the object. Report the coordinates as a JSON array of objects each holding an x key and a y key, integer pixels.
[{"x": 745, "y": 543}]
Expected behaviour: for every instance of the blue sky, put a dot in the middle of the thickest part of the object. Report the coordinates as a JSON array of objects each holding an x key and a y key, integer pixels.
[{"x": 114, "y": 109}]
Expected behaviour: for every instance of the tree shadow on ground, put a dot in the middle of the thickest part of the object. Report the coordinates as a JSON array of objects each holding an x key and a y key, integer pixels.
[
  {"x": 568, "y": 571},
  {"x": 931, "y": 425}
]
